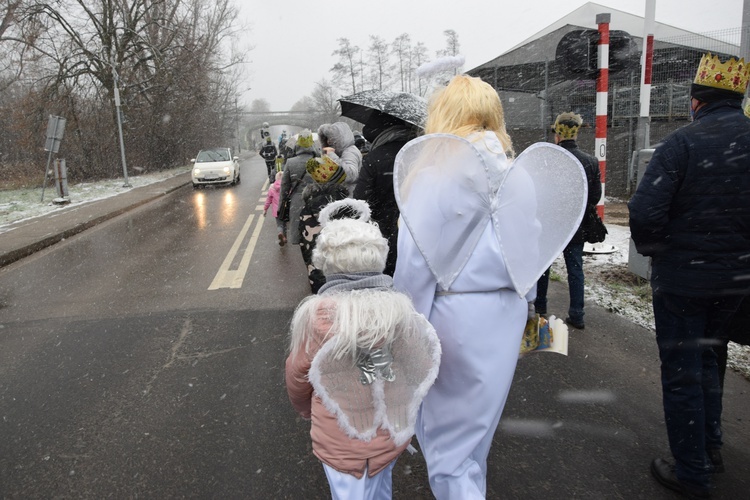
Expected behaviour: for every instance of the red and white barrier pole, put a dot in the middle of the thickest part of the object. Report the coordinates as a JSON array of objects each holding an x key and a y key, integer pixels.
[
  {"x": 602, "y": 89},
  {"x": 647, "y": 62}
]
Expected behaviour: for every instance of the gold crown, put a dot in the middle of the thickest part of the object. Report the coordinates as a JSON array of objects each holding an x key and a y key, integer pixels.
[{"x": 732, "y": 75}]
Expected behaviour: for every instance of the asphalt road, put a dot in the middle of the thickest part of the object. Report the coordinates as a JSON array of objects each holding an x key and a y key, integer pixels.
[{"x": 144, "y": 358}]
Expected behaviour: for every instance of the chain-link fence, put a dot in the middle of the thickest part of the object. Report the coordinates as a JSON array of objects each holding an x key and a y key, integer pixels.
[{"x": 533, "y": 93}]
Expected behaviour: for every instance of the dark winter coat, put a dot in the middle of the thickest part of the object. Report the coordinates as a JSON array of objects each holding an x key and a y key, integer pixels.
[
  {"x": 691, "y": 211},
  {"x": 591, "y": 167},
  {"x": 314, "y": 197},
  {"x": 268, "y": 152},
  {"x": 295, "y": 170},
  {"x": 375, "y": 185}
]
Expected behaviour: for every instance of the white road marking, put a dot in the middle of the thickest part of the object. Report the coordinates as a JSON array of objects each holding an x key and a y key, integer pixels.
[{"x": 228, "y": 278}]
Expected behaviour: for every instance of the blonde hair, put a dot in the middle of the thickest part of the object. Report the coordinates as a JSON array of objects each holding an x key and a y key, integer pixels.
[{"x": 465, "y": 106}]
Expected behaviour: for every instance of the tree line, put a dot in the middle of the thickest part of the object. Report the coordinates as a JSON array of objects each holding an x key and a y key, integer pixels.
[
  {"x": 177, "y": 67},
  {"x": 174, "y": 63}
]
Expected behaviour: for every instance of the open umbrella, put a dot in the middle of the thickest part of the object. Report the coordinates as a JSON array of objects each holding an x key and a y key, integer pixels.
[{"x": 407, "y": 107}]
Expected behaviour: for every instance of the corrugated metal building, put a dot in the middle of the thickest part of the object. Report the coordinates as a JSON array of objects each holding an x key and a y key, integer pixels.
[{"x": 534, "y": 85}]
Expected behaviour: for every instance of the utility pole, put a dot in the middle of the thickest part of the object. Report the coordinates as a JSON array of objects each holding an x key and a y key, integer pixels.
[{"x": 119, "y": 126}]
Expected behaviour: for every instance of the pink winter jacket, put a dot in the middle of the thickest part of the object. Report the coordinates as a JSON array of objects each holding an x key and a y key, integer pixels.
[
  {"x": 330, "y": 444},
  {"x": 273, "y": 197}
]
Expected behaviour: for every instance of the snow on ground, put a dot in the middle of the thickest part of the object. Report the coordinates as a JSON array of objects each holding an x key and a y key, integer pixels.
[
  {"x": 611, "y": 285},
  {"x": 608, "y": 281},
  {"x": 20, "y": 204}
]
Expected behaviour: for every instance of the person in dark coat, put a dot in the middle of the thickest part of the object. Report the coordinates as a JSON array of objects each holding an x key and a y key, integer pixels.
[
  {"x": 387, "y": 135},
  {"x": 691, "y": 215},
  {"x": 269, "y": 152},
  {"x": 294, "y": 180},
  {"x": 566, "y": 129},
  {"x": 327, "y": 187}
]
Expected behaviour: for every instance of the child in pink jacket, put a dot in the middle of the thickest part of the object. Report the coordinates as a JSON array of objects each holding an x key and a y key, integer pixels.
[
  {"x": 272, "y": 200},
  {"x": 361, "y": 357}
]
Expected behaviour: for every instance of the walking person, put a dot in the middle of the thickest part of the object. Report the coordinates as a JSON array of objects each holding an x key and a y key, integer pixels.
[
  {"x": 269, "y": 152},
  {"x": 328, "y": 186},
  {"x": 459, "y": 198},
  {"x": 566, "y": 129},
  {"x": 344, "y": 368},
  {"x": 386, "y": 135},
  {"x": 691, "y": 215},
  {"x": 294, "y": 179},
  {"x": 337, "y": 141},
  {"x": 272, "y": 201}
]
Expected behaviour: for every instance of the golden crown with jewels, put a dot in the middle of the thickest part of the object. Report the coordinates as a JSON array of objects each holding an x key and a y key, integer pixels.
[{"x": 732, "y": 75}]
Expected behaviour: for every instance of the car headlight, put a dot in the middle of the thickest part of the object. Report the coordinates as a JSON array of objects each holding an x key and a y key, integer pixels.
[
  {"x": 227, "y": 170},
  {"x": 196, "y": 171}
]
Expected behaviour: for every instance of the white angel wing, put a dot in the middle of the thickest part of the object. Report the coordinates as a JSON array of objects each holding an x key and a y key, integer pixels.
[
  {"x": 337, "y": 382},
  {"x": 548, "y": 184},
  {"x": 447, "y": 179},
  {"x": 416, "y": 354},
  {"x": 360, "y": 408}
]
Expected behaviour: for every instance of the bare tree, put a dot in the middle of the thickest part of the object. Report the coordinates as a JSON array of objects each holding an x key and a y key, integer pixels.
[
  {"x": 260, "y": 106},
  {"x": 346, "y": 68},
  {"x": 379, "y": 64},
  {"x": 325, "y": 99},
  {"x": 171, "y": 59},
  {"x": 401, "y": 48},
  {"x": 418, "y": 57}
]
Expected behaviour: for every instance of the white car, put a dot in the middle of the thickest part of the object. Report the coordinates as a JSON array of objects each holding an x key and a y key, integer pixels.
[{"x": 215, "y": 166}]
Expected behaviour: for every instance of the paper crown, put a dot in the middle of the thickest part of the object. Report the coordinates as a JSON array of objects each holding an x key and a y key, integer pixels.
[
  {"x": 732, "y": 75},
  {"x": 305, "y": 139},
  {"x": 567, "y": 124},
  {"x": 324, "y": 170}
]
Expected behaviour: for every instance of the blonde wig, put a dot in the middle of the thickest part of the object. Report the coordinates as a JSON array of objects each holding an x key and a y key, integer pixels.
[{"x": 465, "y": 106}]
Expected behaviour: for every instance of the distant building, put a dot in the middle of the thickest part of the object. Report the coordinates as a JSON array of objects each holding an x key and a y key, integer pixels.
[{"x": 535, "y": 84}]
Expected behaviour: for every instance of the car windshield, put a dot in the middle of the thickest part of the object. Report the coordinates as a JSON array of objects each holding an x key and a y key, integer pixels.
[{"x": 208, "y": 155}]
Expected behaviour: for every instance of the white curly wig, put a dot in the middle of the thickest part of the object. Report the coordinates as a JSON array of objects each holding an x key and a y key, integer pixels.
[{"x": 349, "y": 245}]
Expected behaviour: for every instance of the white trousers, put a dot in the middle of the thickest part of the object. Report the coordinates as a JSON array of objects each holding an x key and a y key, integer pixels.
[{"x": 347, "y": 487}]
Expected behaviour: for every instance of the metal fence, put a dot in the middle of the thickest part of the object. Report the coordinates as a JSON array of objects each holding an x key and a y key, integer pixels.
[{"x": 675, "y": 63}]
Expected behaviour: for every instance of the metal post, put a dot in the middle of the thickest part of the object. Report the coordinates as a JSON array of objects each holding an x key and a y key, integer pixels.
[
  {"x": 237, "y": 119},
  {"x": 647, "y": 61},
  {"x": 602, "y": 88},
  {"x": 119, "y": 128}
]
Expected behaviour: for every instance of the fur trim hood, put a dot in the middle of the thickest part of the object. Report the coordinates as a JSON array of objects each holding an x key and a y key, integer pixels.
[{"x": 337, "y": 135}]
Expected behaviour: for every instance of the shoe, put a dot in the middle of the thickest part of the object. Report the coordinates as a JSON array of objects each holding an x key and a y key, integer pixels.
[
  {"x": 578, "y": 325},
  {"x": 282, "y": 239},
  {"x": 663, "y": 472},
  {"x": 716, "y": 462}
]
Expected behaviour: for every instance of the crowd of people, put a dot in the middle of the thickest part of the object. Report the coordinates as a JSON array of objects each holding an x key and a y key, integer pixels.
[{"x": 426, "y": 236}]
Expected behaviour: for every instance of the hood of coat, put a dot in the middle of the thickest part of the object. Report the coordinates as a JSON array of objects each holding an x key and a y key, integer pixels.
[{"x": 337, "y": 135}]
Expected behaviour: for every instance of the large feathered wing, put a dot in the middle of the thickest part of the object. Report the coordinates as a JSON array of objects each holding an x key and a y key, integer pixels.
[
  {"x": 548, "y": 184},
  {"x": 389, "y": 402},
  {"x": 443, "y": 194}
]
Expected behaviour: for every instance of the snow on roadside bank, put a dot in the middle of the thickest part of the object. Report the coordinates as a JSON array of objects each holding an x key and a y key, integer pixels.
[{"x": 21, "y": 204}]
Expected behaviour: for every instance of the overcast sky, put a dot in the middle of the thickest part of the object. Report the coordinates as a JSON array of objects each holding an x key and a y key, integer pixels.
[{"x": 293, "y": 40}]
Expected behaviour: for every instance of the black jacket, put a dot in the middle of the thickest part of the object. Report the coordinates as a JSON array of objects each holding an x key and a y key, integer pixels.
[
  {"x": 691, "y": 211},
  {"x": 591, "y": 167},
  {"x": 268, "y": 152},
  {"x": 375, "y": 186}
]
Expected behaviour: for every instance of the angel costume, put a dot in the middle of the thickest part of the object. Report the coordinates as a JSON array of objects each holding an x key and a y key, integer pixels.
[
  {"x": 361, "y": 361},
  {"x": 476, "y": 232}
]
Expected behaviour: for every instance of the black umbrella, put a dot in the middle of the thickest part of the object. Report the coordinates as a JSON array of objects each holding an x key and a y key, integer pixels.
[{"x": 404, "y": 106}]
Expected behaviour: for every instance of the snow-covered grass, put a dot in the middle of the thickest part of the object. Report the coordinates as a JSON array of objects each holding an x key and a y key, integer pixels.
[
  {"x": 611, "y": 285},
  {"x": 608, "y": 281},
  {"x": 20, "y": 204}
]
